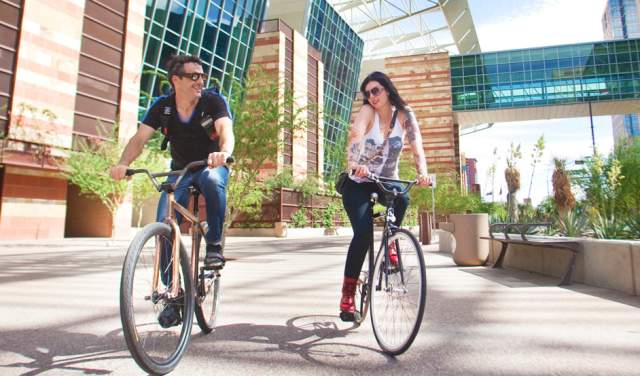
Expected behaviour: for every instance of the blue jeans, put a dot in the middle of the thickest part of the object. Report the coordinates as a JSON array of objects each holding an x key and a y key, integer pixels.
[
  {"x": 356, "y": 200},
  {"x": 213, "y": 186}
]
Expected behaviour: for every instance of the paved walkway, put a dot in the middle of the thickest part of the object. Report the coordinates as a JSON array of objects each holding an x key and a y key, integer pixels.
[{"x": 279, "y": 317}]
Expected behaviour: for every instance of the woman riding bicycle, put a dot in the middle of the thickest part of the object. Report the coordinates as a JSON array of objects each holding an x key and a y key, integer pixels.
[{"x": 374, "y": 146}]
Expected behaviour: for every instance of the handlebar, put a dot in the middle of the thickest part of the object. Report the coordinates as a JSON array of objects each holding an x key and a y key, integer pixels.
[
  {"x": 380, "y": 183},
  {"x": 180, "y": 173}
]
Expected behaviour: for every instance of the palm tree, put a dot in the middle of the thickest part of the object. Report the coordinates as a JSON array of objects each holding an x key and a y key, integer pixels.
[
  {"x": 536, "y": 155},
  {"x": 562, "y": 187}
]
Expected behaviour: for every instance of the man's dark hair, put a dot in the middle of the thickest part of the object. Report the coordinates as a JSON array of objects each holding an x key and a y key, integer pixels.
[{"x": 176, "y": 63}]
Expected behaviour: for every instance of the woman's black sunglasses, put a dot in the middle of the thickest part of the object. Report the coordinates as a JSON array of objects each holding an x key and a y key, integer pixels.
[{"x": 375, "y": 92}]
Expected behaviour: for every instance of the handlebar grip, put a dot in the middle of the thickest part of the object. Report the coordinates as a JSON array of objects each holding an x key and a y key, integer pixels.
[
  {"x": 133, "y": 171},
  {"x": 230, "y": 160}
]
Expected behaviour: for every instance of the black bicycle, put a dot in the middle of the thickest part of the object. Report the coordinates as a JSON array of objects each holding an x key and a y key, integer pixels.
[
  {"x": 394, "y": 283},
  {"x": 162, "y": 285}
]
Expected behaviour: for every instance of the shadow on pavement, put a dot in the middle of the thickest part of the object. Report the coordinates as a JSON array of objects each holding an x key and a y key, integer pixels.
[
  {"x": 33, "y": 267},
  {"x": 314, "y": 338},
  {"x": 514, "y": 278},
  {"x": 56, "y": 350}
]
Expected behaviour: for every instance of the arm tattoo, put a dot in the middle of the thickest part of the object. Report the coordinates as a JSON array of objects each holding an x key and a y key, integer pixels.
[
  {"x": 410, "y": 127},
  {"x": 354, "y": 146},
  {"x": 353, "y": 154}
]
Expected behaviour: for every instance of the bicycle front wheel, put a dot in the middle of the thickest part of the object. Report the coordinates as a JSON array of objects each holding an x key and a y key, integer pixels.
[
  {"x": 156, "y": 325},
  {"x": 208, "y": 288},
  {"x": 398, "y": 294}
]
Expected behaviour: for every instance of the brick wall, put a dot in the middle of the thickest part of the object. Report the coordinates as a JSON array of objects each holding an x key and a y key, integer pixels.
[{"x": 33, "y": 204}]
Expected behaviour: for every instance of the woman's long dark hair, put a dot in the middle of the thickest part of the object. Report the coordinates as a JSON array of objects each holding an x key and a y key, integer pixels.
[{"x": 385, "y": 81}]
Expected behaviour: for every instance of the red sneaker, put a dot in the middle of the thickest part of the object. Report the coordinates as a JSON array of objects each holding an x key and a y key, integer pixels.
[
  {"x": 393, "y": 253},
  {"x": 347, "y": 301}
]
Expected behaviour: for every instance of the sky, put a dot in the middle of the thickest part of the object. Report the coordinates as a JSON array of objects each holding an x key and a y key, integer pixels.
[{"x": 512, "y": 24}]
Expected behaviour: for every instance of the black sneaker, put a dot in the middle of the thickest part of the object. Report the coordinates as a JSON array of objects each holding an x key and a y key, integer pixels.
[
  {"x": 170, "y": 316},
  {"x": 214, "y": 258}
]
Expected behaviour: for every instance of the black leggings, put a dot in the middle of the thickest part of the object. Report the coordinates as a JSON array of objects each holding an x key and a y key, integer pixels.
[{"x": 356, "y": 200}]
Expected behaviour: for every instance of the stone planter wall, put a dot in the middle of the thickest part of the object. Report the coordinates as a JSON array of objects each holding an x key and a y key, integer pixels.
[{"x": 613, "y": 264}]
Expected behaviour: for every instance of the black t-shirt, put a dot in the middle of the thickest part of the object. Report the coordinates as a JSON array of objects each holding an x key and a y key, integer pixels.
[{"x": 195, "y": 139}]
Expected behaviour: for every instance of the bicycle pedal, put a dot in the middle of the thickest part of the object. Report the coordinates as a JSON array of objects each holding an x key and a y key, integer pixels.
[{"x": 347, "y": 316}]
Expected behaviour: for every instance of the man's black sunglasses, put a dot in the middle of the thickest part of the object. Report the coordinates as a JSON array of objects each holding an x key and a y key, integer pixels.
[{"x": 194, "y": 76}]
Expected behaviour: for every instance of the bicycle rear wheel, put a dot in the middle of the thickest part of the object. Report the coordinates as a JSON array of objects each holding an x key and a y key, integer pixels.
[
  {"x": 208, "y": 292},
  {"x": 398, "y": 294},
  {"x": 156, "y": 326}
]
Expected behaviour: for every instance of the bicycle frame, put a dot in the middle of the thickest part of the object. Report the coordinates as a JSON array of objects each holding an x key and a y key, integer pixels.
[
  {"x": 390, "y": 195},
  {"x": 171, "y": 219}
]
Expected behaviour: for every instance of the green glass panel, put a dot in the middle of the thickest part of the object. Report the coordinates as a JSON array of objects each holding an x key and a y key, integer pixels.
[
  {"x": 517, "y": 57},
  {"x": 157, "y": 31},
  {"x": 622, "y": 46},
  {"x": 456, "y": 62},
  {"x": 161, "y": 11},
  {"x": 565, "y": 52},
  {"x": 624, "y": 68},
  {"x": 600, "y": 49},
  {"x": 198, "y": 30}
]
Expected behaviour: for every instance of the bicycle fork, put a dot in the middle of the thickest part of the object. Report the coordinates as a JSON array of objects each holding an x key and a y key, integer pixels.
[{"x": 174, "y": 290}]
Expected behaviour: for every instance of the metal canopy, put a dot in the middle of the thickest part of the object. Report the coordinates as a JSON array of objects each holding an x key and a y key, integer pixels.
[{"x": 403, "y": 27}]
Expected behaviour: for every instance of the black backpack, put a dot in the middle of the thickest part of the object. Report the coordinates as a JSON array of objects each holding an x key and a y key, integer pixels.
[{"x": 167, "y": 111}]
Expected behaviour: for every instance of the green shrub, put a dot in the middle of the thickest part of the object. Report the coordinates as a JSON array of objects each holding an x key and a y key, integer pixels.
[
  {"x": 328, "y": 215},
  {"x": 299, "y": 218},
  {"x": 608, "y": 226},
  {"x": 572, "y": 223},
  {"x": 633, "y": 224}
]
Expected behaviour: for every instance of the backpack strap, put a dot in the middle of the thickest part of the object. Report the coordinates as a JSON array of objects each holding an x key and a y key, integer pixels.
[{"x": 167, "y": 111}]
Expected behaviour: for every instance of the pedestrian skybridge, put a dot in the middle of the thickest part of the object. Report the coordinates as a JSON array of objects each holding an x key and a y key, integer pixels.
[{"x": 601, "y": 78}]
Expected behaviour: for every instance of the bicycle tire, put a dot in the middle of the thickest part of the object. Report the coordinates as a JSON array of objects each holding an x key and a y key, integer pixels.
[
  {"x": 398, "y": 295},
  {"x": 208, "y": 292},
  {"x": 361, "y": 298},
  {"x": 156, "y": 349}
]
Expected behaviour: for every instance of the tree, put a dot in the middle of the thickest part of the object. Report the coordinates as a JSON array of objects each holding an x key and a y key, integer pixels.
[
  {"x": 491, "y": 173},
  {"x": 88, "y": 165},
  {"x": 153, "y": 159},
  {"x": 512, "y": 176},
  {"x": 536, "y": 156},
  {"x": 88, "y": 168},
  {"x": 335, "y": 152},
  {"x": 562, "y": 194},
  {"x": 259, "y": 120}
]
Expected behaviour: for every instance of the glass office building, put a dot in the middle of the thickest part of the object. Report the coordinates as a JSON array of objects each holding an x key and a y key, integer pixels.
[
  {"x": 220, "y": 32},
  {"x": 587, "y": 72},
  {"x": 622, "y": 21},
  {"x": 341, "y": 49}
]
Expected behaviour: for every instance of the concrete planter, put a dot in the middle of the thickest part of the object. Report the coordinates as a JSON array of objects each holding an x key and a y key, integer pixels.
[{"x": 465, "y": 243}]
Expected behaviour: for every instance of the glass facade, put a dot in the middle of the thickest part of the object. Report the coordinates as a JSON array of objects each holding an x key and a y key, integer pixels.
[
  {"x": 341, "y": 49},
  {"x": 220, "y": 32},
  {"x": 547, "y": 76},
  {"x": 620, "y": 21}
]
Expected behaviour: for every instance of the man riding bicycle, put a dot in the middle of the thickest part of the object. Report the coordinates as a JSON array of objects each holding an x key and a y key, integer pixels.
[{"x": 198, "y": 126}]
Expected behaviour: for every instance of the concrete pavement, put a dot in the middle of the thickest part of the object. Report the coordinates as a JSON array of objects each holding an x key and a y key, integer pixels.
[{"x": 279, "y": 317}]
